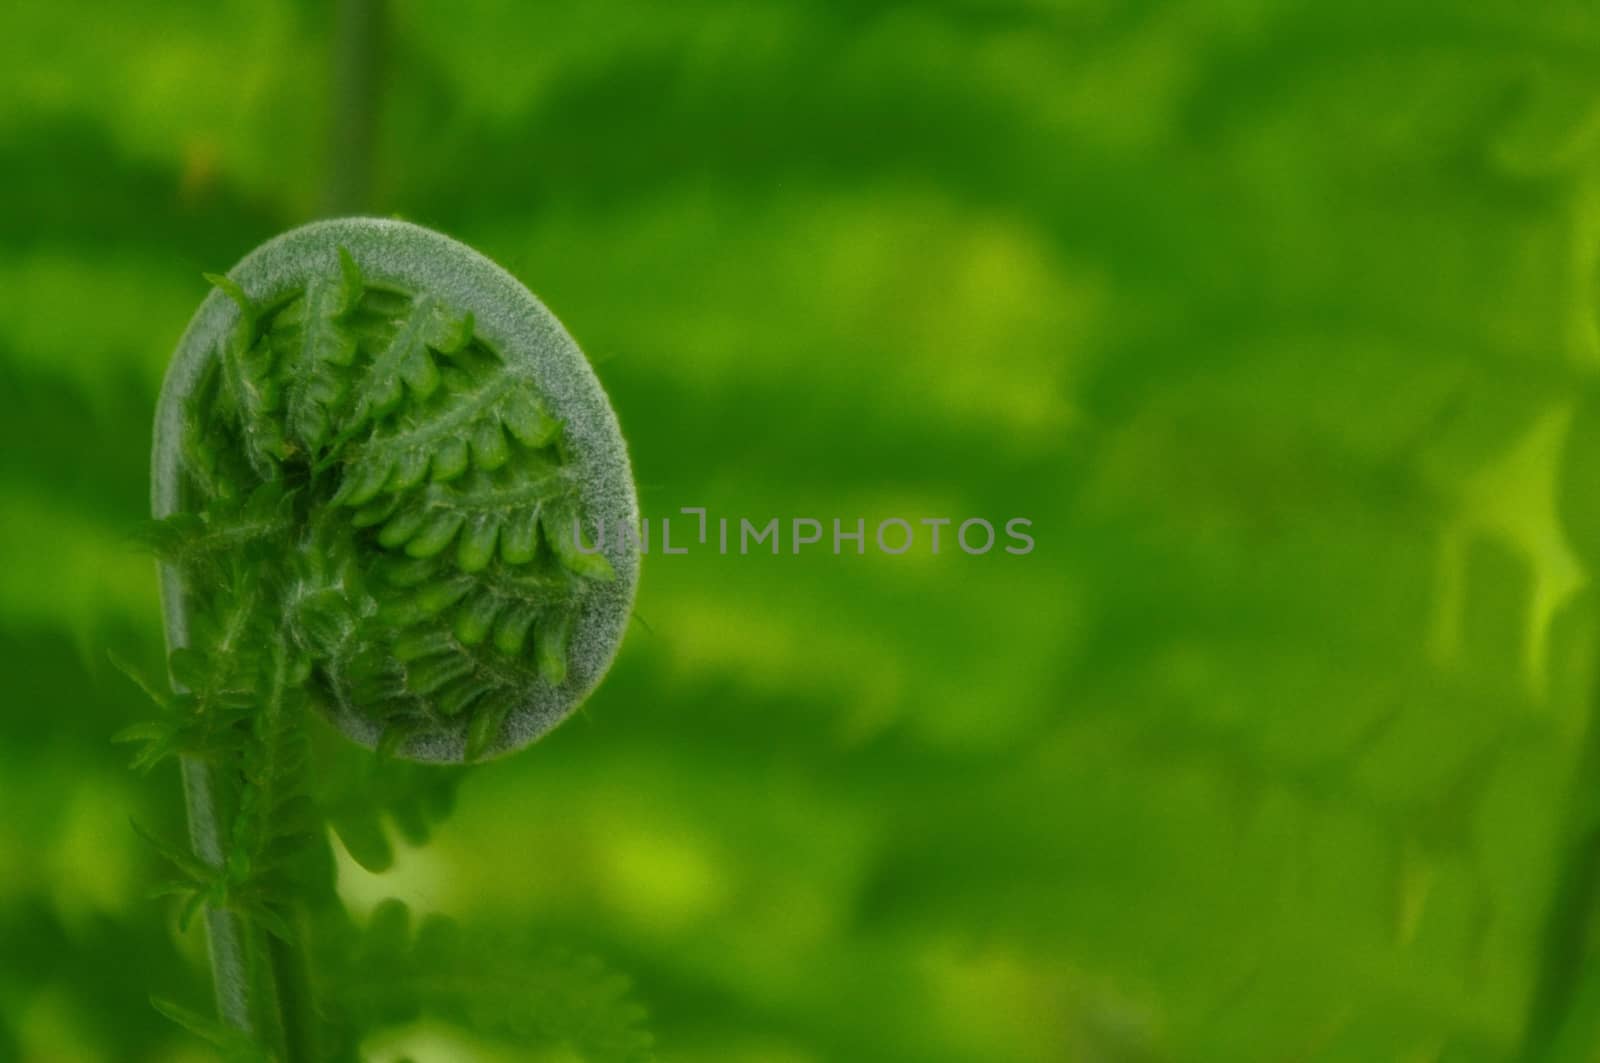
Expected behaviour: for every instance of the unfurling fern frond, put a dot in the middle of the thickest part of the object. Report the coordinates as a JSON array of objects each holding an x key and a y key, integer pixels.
[
  {"x": 394, "y": 396},
  {"x": 389, "y": 410},
  {"x": 372, "y": 453}
]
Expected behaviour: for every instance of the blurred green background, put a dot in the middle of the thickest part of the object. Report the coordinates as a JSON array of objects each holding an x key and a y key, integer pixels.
[{"x": 1274, "y": 318}]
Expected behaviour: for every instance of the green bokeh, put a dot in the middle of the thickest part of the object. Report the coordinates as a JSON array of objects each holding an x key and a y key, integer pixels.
[{"x": 1273, "y": 317}]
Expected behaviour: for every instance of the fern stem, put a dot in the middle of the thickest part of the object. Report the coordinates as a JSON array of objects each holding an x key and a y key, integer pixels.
[
  {"x": 292, "y": 976},
  {"x": 260, "y": 985},
  {"x": 357, "y": 95},
  {"x": 226, "y": 934},
  {"x": 1570, "y": 921}
]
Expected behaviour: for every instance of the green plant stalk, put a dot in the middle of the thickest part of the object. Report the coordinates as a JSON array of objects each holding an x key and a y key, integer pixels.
[
  {"x": 358, "y": 46},
  {"x": 1569, "y": 924},
  {"x": 296, "y": 1011},
  {"x": 262, "y": 984},
  {"x": 225, "y": 931},
  {"x": 245, "y": 988}
]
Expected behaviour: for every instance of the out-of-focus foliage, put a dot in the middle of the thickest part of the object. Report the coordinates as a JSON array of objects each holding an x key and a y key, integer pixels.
[{"x": 1275, "y": 318}]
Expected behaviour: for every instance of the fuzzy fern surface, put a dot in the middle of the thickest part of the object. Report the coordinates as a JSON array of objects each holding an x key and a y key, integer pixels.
[{"x": 351, "y": 460}]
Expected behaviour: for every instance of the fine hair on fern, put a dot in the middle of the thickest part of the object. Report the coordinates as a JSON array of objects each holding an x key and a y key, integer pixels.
[{"x": 373, "y": 454}]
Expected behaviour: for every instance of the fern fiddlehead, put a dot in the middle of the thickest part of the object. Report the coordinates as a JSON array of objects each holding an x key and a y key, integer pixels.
[
  {"x": 403, "y": 442},
  {"x": 374, "y": 455}
]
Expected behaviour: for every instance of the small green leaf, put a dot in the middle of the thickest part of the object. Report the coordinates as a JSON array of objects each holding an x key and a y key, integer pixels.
[
  {"x": 364, "y": 840},
  {"x": 234, "y": 1045}
]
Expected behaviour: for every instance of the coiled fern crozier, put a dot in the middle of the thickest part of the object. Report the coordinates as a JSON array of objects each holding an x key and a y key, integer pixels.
[{"x": 375, "y": 453}]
